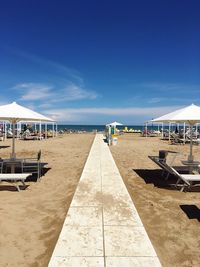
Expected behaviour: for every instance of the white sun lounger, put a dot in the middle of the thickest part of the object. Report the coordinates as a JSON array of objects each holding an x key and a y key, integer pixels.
[
  {"x": 14, "y": 178},
  {"x": 186, "y": 179}
]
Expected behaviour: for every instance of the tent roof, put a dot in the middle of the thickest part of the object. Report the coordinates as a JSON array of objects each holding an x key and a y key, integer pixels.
[
  {"x": 190, "y": 115},
  {"x": 114, "y": 124},
  {"x": 14, "y": 112}
]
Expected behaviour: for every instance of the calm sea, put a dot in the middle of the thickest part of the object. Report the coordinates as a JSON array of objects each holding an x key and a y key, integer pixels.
[{"x": 100, "y": 128}]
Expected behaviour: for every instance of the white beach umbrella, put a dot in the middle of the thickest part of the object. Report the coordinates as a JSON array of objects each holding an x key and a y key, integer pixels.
[
  {"x": 189, "y": 115},
  {"x": 15, "y": 113},
  {"x": 114, "y": 124}
]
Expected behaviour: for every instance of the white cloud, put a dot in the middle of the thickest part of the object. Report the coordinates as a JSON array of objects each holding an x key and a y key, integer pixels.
[
  {"x": 74, "y": 92},
  {"x": 50, "y": 65},
  {"x": 172, "y": 87},
  {"x": 155, "y": 100},
  {"x": 38, "y": 91},
  {"x": 34, "y": 91},
  {"x": 73, "y": 115}
]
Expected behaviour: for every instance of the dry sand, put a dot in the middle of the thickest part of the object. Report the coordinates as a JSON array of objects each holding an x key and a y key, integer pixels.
[
  {"x": 31, "y": 220},
  {"x": 171, "y": 217}
]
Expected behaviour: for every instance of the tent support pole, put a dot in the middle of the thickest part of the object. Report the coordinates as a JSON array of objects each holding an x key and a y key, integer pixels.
[
  {"x": 184, "y": 132},
  {"x": 169, "y": 130},
  {"x": 13, "y": 141},
  {"x": 190, "y": 158},
  {"x": 40, "y": 129},
  {"x": 45, "y": 130},
  {"x": 196, "y": 129},
  {"x": 146, "y": 129}
]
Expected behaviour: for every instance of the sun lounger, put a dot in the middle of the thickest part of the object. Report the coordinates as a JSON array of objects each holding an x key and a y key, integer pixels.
[
  {"x": 32, "y": 165},
  {"x": 14, "y": 178},
  {"x": 186, "y": 180},
  {"x": 161, "y": 162},
  {"x": 175, "y": 139},
  {"x": 183, "y": 180}
]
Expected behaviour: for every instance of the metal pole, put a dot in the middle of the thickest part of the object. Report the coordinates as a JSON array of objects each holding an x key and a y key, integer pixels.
[
  {"x": 53, "y": 129},
  {"x": 13, "y": 140},
  {"x": 45, "y": 130},
  {"x": 56, "y": 129},
  {"x": 184, "y": 132},
  {"x": 190, "y": 158},
  {"x": 196, "y": 130},
  {"x": 169, "y": 130},
  {"x": 40, "y": 134},
  {"x": 162, "y": 130},
  {"x": 146, "y": 129},
  {"x": 5, "y": 130}
]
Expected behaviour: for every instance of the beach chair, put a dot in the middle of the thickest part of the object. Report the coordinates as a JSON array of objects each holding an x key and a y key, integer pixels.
[
  {"x": 161, "y": 161},
  {"x": 1, "y": 166},
  {"x": 162, "y": 165},
  {"x": 14, "y": 178},
  {"x": 187, "y": 180},
  {"x": 175, "y": 139},
  {"x": 32, "y": 165}
]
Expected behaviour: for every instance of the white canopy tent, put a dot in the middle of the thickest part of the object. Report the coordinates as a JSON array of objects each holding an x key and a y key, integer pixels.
[
  {"x": 189, "y": 115},
  {"x": 15, "y": 113},
  {"x": 114, "y": 124}
]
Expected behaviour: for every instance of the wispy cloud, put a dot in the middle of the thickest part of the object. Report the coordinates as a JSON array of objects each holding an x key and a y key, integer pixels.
[
  {"x": 61, "y": 69},
  {"x": 73, "y": 92},
  {"x": 69, "y": 114},
  {"x": 38, "y": 91},
  {"x": 34, "y": 91},
  {"x": 170, "y": 87},
  {"x": 155, "y": 100},
  {"x": 67, "y": 83}
]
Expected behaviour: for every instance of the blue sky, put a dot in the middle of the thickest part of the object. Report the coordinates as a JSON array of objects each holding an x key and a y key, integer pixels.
[{"x": 92, "y": 62}]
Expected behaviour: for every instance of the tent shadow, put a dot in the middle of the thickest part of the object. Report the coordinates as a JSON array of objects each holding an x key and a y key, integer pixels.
[{"x": 192, "y": 211}]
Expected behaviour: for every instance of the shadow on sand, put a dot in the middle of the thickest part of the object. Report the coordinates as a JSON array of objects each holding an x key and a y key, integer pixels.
[
  {"x": 105, "y": 140},
  {"x": 192, "y": 211},
  {"x": 1, "y": 147},
  {"x": 31, "y": 178},
  {"x": 156, "y": 178}
]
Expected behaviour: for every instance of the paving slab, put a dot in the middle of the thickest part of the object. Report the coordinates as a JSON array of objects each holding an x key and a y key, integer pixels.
[
  {"x": 132, "y": 262},
  {"x": 77, "y": 262},
  {"x": 102, "y": 227},
  {"x": 80, "y": 241}
]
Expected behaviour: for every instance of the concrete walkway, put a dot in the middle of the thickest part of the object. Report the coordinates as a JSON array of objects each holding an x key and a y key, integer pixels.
[{"x": 102, "y": 227}]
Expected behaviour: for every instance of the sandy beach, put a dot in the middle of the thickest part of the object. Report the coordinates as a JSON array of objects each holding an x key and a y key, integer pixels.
[
  {"x": 164, "y": 211},
  {"x": 31, "y": 219}
]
